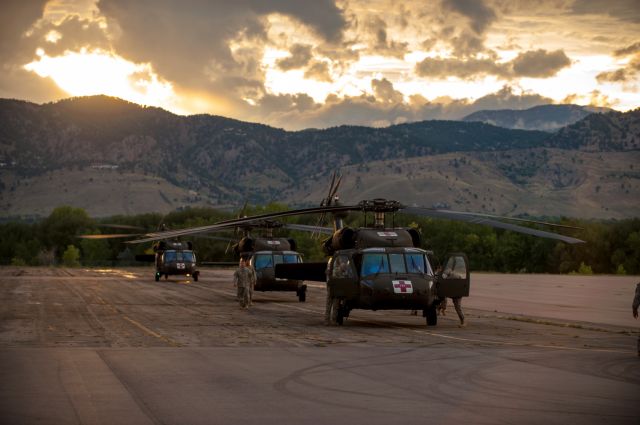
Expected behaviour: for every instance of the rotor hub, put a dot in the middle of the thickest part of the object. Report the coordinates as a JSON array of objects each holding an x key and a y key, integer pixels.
[{"x": 380, "y": 205}]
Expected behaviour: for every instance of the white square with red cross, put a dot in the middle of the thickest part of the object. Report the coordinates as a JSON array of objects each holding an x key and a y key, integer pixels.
[{"x": 402, "y": 286}]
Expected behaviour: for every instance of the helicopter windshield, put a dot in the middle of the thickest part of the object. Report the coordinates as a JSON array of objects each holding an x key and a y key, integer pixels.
[
  {"x": 290, "y": 258},
  {"x": 169, "y": 256},
  {"x": 180, "y": 256},
  {"x": 267, "y": 260},
  {"x": 263, "y": 261},
  {"x": 374, "y": 263},
  {"x": 394, "y": 263},
  {"x": 416, "y": 263},
  {"x": 186, "y": 256}
]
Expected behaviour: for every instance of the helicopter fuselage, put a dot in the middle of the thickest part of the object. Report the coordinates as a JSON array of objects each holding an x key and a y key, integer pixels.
[
  {"x": 382, "y": 278},
  {"x": 176, "y": 262},
  {"x": 381, "y": 269},
  {"x": 264, "y": 263}
]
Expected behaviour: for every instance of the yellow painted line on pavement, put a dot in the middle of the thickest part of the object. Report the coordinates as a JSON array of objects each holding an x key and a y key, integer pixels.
[{"x": 150, "y": 332}]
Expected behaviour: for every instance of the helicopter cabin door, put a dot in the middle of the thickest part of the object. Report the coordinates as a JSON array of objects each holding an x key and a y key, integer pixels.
[
  {"x": 342, "y": 282},
  {"x": 454, "y": 281}
]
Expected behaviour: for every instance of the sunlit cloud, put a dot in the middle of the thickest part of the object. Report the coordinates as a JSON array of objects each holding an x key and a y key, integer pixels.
[
  {"x": 87, "y": 73},
  {"x": 326, "y": 62},
  {"x": 53, "y": 36}
]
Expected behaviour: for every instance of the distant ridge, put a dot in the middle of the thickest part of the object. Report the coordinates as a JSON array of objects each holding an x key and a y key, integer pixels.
[
  {"x": 110, "y": 157},
  {"x": 544, "y": 118}
]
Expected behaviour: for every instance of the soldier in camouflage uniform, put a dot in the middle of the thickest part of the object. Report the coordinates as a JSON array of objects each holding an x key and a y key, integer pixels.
[
  {"x": 457, "y": 301},
  {"x": 244, "y": 279},
  {"x": 636, "y": 304}
]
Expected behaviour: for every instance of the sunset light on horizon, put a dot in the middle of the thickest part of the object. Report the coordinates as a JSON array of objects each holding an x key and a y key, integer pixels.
[{"x": 297, "y": 65}]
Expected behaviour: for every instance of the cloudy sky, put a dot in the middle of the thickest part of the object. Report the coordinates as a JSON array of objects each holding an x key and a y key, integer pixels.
[{"x": 320, "y": 63}]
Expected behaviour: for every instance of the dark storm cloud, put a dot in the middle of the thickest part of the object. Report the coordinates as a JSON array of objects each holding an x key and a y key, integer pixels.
[
  {"x": 381, "y": 44},
  {"x": 629, "y": 50},
  {"x": 189, "y": 42},
  {"x": 318, "y": 71},
  {"x": 533, "y": 63},
  {"x": 383, "y": 91},
  {"x": 75, "y": 34},
  {"x": 445, "y": 67},
  {"x": 300, "y": 57},
  {"x": 625, "y": 10},
  {"x": 16, "y": 18},
  {"x": 479, "y": 14},
  {"x": 467, "y": 44},
  {"x": 539, "y": 63},
  {"x": 299, "y": 102},
  {"x": 461, "y": 24},
  {"x": 17, "y": 48}
]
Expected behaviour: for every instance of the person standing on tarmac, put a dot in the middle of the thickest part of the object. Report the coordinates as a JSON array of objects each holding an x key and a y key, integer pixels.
[
  {"x": 634, "y": 307},
  {"x": 457, "y": 301},
  {"x": 245, "y": 280}
]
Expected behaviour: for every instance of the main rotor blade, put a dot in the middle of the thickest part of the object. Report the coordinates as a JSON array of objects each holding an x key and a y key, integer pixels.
[
  {"x": 428, "y": 212},
  {"x": 469, "y": 218},
  {"x": 235, "y": 222},
  {"x": 500, "y": 217},
  {"x": 215, "y": 238},
  {"x": 122, "y": 226},
  {"x": 110, "y": 236},
  {"x": 309, "y": 228}
]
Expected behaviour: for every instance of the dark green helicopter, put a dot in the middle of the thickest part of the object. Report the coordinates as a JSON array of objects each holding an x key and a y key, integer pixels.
[
  {"x": 170, "y": 257},
  {"x": 265, "y": 252},
  {"x": 381, "y": 266}
]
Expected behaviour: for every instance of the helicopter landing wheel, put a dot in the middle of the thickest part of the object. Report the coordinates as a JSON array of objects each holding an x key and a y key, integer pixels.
[
  {"x": 157, "y": 277},
  {"x": 302, "y": 293},
  {"x": 166, "y": 276},
  {"x": 432, "y": 316},
  {"x": 195, "y": 277}
]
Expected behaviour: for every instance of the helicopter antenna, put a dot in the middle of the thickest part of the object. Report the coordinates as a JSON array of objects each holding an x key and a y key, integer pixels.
[
  {"x": 331, "y": 200},
  {"x": 236, "y": 229}
]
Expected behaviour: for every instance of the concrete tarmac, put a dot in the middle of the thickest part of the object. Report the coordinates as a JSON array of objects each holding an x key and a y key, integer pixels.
[{"x": 113, "y": 346}]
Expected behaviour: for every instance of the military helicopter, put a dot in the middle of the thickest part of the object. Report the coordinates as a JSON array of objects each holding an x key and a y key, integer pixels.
[
  {"x": 265, "y": 252},
  {"x": 381, "y": 266},
  {"x": 170, "y": 257}
]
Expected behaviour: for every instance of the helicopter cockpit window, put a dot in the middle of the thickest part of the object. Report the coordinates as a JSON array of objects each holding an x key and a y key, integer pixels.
[
  {"x": 291, "y": 258},
  {"x": 169, "y": 256},
  {"x": 397, "y": 263},
  {"x": 416, "y": 263},
  {"x": 186, "y": 256},
  {"x": 263, "y": 261},
  {"x": 456, "y": 268},
  {"x": 342, "y": 267},
  {"x": 374, "y": 263},
  {"x": 277, "y": 259}
]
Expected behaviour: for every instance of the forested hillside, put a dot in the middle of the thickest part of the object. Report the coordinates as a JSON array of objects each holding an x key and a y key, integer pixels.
[
  {"x": 109, "y": 156},
  {"x": 611, "y": 246}
]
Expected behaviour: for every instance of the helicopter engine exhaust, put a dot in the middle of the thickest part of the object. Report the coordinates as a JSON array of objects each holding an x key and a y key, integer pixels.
[{"x": 344, "y": 238}]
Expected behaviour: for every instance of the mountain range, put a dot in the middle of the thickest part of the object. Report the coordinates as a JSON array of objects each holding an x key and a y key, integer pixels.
[
  {"x": 543, "y": 117},
  {"x": 111, "y": 157}
]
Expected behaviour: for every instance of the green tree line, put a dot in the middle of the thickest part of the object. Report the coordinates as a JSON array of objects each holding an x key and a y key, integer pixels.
[{"x": 612, "y": 247}]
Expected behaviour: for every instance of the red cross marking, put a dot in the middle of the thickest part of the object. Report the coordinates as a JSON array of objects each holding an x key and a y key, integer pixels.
[{"x": 402, "y": 286}]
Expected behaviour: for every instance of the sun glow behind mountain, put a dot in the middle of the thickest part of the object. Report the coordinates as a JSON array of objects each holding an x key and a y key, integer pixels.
[
  {"x": 322, "y": 64},
  {"x": 86, "y": 73}
]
